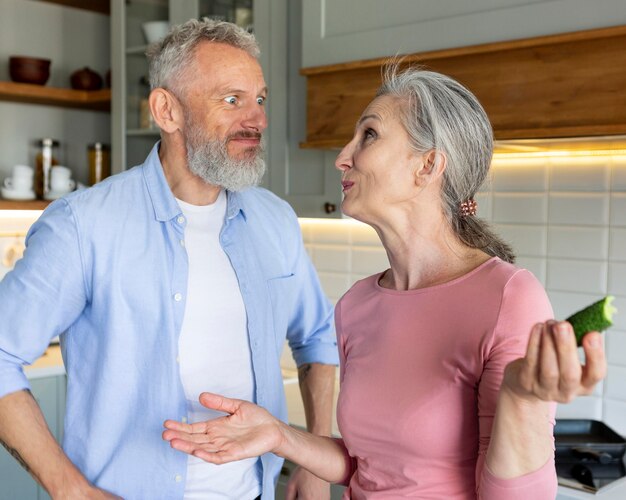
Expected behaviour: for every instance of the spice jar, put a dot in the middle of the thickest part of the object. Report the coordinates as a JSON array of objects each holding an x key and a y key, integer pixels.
[
  {"x": 98, "y": 155},
  {"x": 46, "y": 157}
]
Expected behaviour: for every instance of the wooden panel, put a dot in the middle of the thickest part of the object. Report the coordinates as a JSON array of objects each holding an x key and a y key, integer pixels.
[
  {"x": 101, "y": 6},
  {"x": 570, "y": 85},
  {"x": 23, "y": 205},
  {"x": 99, "y": 100}
]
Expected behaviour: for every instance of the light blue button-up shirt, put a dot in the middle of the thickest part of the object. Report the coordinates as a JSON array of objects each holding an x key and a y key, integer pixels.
[{"x": 108, "y": 267}]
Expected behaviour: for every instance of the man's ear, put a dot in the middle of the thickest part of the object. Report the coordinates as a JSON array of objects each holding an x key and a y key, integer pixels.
[
  {"x": 166, "y": 110},
  {"x": 432, "y": 165}
]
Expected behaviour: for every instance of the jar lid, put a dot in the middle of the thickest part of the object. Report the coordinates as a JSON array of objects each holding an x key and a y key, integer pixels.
[
  {"x": 99, "y": 146},
  {"x": 47, "y": 142}
]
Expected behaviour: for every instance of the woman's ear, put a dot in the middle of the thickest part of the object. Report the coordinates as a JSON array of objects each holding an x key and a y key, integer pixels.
[
  {"x": 166, "y": 110},
  {"x": 432, "y": 165}
]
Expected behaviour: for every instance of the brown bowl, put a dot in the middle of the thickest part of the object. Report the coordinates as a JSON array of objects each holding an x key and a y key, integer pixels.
[{"x": 29, "y": 70}]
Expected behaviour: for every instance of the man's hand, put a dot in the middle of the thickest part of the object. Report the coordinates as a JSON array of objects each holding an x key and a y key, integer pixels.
[{"x": 306, "y": 486}]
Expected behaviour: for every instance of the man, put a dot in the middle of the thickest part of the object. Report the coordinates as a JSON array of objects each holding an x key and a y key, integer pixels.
[{"x": 169, "y": 279}]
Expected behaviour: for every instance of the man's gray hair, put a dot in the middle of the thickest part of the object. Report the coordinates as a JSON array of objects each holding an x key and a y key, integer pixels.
[
  {"x": 440, "y": 114},
  {"x": 170, "y": 57}
]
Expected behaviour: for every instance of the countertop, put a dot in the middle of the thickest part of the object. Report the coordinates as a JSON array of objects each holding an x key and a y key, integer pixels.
[
  {"x": 51, "y": 364},
  {"x": 48, "y": 365}
]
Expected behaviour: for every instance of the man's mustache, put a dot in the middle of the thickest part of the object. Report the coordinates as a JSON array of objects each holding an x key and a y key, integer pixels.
[{"x": 245, "y": 134}]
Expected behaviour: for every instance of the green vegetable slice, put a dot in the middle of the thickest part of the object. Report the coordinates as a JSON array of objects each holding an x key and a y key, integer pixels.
[{"x": 594, "y": 318}]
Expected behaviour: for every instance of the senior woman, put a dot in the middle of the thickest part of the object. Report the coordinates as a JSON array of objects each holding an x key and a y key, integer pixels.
[{"x": 450, "y": 362}]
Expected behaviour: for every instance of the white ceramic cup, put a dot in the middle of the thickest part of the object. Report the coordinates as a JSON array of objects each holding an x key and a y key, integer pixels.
[
  {"x": 21, "y": 180},
  {"x": 155, "y": 30},
  {"x": 60, "y": 179}
]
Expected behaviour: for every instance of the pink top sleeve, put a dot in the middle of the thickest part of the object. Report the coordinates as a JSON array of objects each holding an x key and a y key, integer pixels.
[{"x": 515, "y": 319}]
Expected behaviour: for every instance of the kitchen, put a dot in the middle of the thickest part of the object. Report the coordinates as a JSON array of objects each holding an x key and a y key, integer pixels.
[{"x": 564, "y": 210}]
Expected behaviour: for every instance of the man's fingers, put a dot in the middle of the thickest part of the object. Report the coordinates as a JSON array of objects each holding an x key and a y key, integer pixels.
[{"x": 595, "y": 361}]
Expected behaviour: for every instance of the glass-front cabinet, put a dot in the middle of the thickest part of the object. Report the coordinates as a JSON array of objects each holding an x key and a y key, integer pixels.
[{"x": 136, "y": 24}]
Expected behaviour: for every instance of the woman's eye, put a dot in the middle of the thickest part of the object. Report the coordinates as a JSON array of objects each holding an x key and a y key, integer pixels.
[
  {"x": 231, "y": 100},
  {"x": 260, "y": 100},
  {"x": 369, "y": 133}
]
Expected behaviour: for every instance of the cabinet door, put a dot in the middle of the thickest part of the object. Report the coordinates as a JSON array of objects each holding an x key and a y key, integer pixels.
[
  {"x": 348, "y": 30},
  {"x": 15, "y": 482},
  {"x": 306, "y": 178}
]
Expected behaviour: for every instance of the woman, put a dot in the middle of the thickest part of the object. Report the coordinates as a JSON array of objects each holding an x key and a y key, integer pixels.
[{"x": 450, "y": 364}]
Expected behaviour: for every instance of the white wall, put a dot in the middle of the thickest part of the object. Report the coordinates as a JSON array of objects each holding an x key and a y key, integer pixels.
[
  {"x": 566, "y": 218},
  {"x": 72, "y": 39}
]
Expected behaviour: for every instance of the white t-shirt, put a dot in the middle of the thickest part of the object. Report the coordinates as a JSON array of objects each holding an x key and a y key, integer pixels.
[{"x": 214, "y": 350}]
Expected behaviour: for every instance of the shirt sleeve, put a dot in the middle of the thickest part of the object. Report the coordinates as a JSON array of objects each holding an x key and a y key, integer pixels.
[
  {"x": 42, "y": 296},
  {"x": 524, "y": 303},
  {"x": 311, "y": 330}
]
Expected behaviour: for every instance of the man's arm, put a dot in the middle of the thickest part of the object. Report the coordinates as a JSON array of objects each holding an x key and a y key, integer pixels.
[
  {"x": 317, "y": 387},
  {"x": 26, "y": 436}
]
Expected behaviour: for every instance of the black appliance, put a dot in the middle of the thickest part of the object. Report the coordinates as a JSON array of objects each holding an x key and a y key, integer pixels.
[{"x": 589, "y": 455}]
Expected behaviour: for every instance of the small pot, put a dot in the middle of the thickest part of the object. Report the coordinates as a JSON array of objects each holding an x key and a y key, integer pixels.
[{"x": 86, "y": 79}]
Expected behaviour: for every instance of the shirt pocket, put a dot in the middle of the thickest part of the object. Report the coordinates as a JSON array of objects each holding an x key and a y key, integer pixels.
[{"x": 282, "y": 295}]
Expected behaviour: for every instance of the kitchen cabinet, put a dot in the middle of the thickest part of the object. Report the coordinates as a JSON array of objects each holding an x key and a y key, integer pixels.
[
  {"x": 71, "y": 38},
  {"x": 306, "y": 179},
  {"x": 348, "y": 30},
  {"x": 15, "y": 482},
  {"x": 336, "y": 491}
]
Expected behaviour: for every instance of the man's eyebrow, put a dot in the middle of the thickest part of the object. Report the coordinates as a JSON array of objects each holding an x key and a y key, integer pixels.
[{"x": 230, "y": 90}]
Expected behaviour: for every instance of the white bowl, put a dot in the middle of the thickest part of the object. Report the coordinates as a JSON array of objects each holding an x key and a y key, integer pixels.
[{"x": 155, "y": 30}]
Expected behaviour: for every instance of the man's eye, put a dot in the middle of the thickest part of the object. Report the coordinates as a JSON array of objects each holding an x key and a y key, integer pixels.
[
  {"x": 231, "y": 100},
  {"x": 260, "y": 100}
]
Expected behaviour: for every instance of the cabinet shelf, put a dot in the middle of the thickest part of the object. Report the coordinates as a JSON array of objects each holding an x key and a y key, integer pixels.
[
  {"x": 23, "y": 205},
  {"x": 98, "y": 100}
]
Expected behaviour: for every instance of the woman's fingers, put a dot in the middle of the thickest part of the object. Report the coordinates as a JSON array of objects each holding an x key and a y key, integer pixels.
[
  {"x": 568, "y": 363},
  {"x": 595, "y": 361},
  {"x": 219, "y": 403}
]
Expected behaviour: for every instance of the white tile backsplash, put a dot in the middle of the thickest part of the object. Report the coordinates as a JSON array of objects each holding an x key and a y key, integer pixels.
[
  {"x": 617, "y": 244},
  {"x": 331, "y": 257},
  {"x": 581, "y": 407},
  {"x": 578, "y": 242},
  {"x": 618, "y": 209},
  {"x": 519, "y": 175},
  {"x": 614, "y": 415},
  {"x": 617, "y": 278},
  {"x": 577, "y": 276},
  {"x": 618, "y": 174},
  {"x": 580, "y": 174},
  {"x": 369, "y": 260},
  {"x": 518, "y": 208},
  {"x": 616, "y": 347},
  {"x": 526, "y": 239},
  {"x": 579, "y": 208}
]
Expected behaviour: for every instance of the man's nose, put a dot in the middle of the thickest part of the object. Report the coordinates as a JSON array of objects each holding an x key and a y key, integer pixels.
[{"x": 255, "y": 118}]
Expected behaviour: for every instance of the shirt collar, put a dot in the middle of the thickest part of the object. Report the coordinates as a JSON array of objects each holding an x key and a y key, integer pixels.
[{"x": 163, "y": 201}]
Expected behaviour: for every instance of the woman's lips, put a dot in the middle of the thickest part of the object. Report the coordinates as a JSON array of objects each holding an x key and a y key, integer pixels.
[{"x": 346, "y": 185}]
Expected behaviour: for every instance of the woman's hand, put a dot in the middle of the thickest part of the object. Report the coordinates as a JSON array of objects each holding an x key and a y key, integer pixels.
[
  {"x": 248, "y": 431},
  {"x": 551, "y": 369}
]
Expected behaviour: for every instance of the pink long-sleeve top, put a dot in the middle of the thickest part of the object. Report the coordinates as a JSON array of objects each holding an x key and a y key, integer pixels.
[{"x": 420, "y": 372}]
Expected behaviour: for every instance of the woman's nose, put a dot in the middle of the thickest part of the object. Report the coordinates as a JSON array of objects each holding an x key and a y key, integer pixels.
[{"x": 344, "y": 159}]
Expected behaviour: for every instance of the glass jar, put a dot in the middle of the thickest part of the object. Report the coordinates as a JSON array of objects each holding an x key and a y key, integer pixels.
[
  {"x": 46, "y": 157},
  {"x": 98, "y": 155}
]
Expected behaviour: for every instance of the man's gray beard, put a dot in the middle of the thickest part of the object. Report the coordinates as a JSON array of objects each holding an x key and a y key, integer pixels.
[{"x": 209, "y": 160}]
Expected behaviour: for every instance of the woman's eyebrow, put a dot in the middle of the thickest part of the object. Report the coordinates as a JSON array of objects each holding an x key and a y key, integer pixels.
[{"x": 366, "y": 117}]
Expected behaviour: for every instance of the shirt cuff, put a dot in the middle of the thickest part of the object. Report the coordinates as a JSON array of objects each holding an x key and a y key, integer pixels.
[
  {"x": 12, "y": 377},
  {"x": 325, "y": 354}
]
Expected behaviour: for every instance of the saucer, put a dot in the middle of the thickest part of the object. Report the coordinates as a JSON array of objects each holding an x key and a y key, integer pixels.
[
  {"x": 54, "y": 195},
  {"x": 10, "y": 194}
]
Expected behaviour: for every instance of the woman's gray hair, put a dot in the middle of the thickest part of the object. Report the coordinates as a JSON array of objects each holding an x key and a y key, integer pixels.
[
  {"x": 171, "y": 57},
  {"x": 440, "y": 114}
]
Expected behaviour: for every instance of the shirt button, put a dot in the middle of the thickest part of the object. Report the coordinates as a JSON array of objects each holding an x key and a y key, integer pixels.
[
  {"x": 180, "y": 219},
  {"x": 178, "y": 478},
  {"x": 184, "y": 420},
  {"x": 178, "y": 359},
  {"x": 178, "y": 297},
  {"x": 182, "y": 243}
]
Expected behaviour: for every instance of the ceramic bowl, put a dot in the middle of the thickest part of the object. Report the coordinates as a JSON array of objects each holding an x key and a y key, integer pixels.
[
  {"x": 155, "y": 30},
  {"x": 29, "y": 70}
]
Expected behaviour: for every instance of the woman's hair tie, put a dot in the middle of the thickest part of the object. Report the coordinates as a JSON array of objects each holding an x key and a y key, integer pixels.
[{"x": 468, "y": 207}]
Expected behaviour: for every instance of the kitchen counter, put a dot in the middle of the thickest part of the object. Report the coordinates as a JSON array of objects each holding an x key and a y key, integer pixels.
[
  {"x": 614, "y": 491},
  {"x": 48, "y": 365}
]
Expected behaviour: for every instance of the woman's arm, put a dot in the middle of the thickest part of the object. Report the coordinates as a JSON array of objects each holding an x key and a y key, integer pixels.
[
  {"x": 250, "y": 431},
  {"x": 521, "y": 438}
]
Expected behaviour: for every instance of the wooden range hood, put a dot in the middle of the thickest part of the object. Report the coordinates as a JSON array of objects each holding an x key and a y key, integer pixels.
[{"x": 536, "y": 91}]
